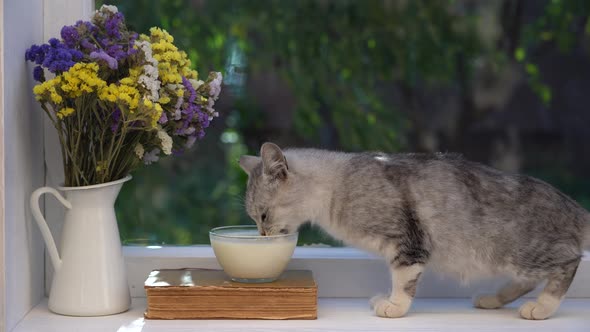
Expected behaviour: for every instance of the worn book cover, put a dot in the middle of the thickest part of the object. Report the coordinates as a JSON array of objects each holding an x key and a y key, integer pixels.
[{"x": 210, "y": 294}]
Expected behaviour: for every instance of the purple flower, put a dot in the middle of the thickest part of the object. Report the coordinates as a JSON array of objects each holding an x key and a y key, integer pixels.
[
  {"x": 163, "y": 118},
  {"x": 86, "y": 27},
  {"x": 88, "y": 45},
  {"x": 116, "y": 51},
  {"x": 189, "y": 87},
  {"x": 38, "y": 74},
  {"x": 192, "y": 119},
  {"x": 101, "y": 55},
  {"x": 116, "y": 116},
  {"x": 112, "y": 24},
  {"x": 132, "y": 38},
  {"x": 69, "y": 34},
  {"x": 204, "y": 119},
  {"x": 55, "y": 56}
]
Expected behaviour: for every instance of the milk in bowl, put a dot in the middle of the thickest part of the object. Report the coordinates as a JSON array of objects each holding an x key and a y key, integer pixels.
[{"x": 247, "y": 256}]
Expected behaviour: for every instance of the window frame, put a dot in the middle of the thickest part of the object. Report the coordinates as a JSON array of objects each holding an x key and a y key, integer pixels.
[{"x": 340, "y": 272}]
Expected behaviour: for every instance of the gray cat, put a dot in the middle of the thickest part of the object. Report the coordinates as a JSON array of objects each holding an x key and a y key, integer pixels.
[{"x": 457, "y": 216}]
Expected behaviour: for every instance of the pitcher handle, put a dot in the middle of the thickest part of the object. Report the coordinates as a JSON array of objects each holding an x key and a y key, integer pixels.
[{"x": 49, "y": 241}]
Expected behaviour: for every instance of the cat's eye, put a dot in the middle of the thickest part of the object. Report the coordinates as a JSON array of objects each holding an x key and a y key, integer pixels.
[{"x": 263, "y": 217}]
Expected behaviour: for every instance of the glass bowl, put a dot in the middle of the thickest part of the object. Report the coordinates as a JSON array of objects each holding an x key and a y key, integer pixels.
[{"x": 247, "y": 256}]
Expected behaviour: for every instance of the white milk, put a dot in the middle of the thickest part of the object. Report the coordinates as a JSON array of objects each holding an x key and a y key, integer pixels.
[{"x": 253, "y": 258}]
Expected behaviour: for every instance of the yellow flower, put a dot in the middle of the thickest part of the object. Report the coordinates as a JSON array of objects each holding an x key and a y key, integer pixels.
[
  {"x": 65, "y": 112},
  {"x": 80, "y": 79},
  {"x": 164, "y": 100},
  {"x": 56, "y": 98},
  {"x": 101, "y": 166},
  {"x": 47, "y": 91},
  {"x": 173, "y": 64},
  {"x": 157, "y": 114},
  {"x": 127, "y": 81},
  {"x": 134, "y": 72},
  {"x": 109, "y": 93},
  {"x": 126, "y": 94}
]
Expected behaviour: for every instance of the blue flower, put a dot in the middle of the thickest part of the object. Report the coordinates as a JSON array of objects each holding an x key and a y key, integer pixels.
[
  {"x": 54, "y": 42},
  {"x": 38, "y": 74},
  {"x": 116, "y": 117},
  {"x": 35, "y": 54},
  {"x": 59, "y": 58},
  {"x": 69, "y": 34}
]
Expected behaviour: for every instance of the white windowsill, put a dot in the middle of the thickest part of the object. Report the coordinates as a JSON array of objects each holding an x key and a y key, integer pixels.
[
  {"x": 339, "y": 272},
  {"x": 334, "y": 315}
]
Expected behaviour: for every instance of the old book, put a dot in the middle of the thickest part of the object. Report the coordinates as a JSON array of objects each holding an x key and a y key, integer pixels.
[{"x": 210, "y": 294}]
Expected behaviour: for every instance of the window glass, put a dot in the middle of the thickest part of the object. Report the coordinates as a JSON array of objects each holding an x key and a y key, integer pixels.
[{"x": 502, "y": 82}]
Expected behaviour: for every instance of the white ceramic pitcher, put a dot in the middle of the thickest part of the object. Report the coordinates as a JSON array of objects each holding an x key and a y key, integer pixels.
[{"x": 90, "y": 278}]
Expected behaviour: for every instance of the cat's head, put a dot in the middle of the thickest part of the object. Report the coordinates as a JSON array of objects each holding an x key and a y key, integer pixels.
[{"x": 274, "y": 197}]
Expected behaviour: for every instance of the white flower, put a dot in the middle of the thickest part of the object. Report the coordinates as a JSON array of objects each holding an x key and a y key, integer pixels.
[
  {"x": 151, "y": 157},
  {"x": 110, "y": 8},
  {"x": 173, "y": 87},
  {"x": 166, "y": 141},
  {"x": 149, "y": 78},
  {"x": 210, "y": 104},
  {"x": 196, "y": 83},
  {"x": 215, "y": 86},
  {"x": 139, "y": 151},
  {"x": 104, "y": 12}
]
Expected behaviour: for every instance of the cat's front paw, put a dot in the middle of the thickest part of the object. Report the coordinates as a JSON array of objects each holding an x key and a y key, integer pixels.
[
  {"x": 384, "y": 307},
  {"x": 487, "y": 302},
  {"x": 535, "y": 310}
]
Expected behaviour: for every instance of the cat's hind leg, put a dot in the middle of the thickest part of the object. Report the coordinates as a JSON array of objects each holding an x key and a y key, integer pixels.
[
  {"x": 507, "y": 294},
  {"x": 405, "y": 280},
  {"x": 551, "y": 296}
]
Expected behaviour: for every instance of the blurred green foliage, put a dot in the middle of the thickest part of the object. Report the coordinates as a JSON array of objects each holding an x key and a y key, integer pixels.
[
  {"x": 553, "y": 26},
  {"x": 340, "y": 58}
]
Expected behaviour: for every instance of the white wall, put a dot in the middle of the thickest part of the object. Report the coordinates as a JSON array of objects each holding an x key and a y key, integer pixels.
[
  {"x": 24, "y": 162},
  {"x": 2, "y": 270},
  {"x": 57, "y": 13}
]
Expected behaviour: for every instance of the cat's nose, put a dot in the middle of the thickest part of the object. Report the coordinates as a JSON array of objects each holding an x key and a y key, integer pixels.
[{"x": 262, "y": 232}]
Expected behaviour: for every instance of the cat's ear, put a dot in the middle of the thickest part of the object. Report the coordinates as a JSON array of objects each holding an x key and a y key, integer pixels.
[
  {"x": 274, "y": 162},
  {"x": 247, "y": 163}
]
